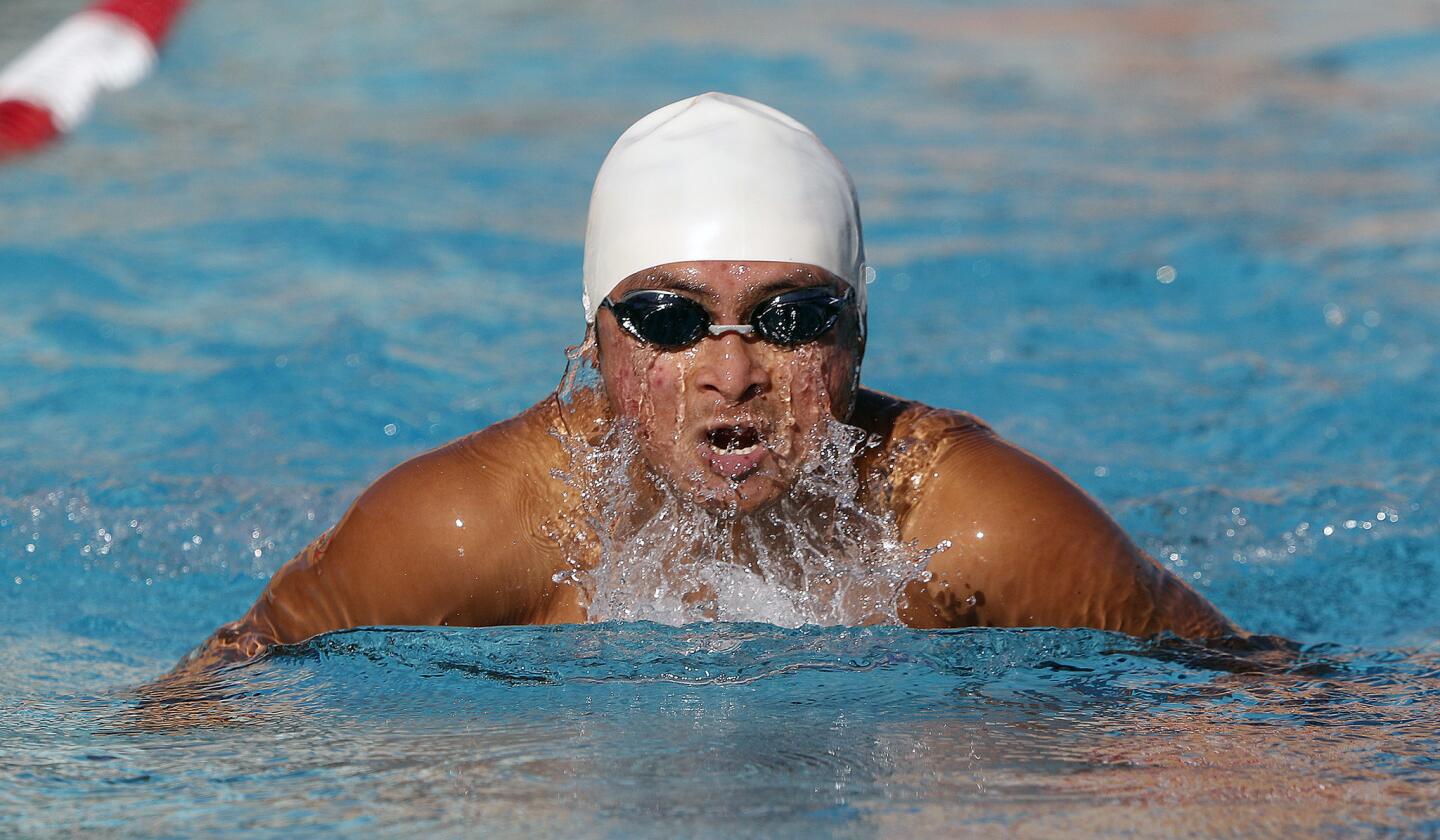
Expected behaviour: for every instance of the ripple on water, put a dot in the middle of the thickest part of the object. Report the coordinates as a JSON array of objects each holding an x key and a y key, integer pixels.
[{"x": 692, "y": 723}]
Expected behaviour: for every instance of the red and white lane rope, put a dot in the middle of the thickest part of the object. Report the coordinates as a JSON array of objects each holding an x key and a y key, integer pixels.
[{"x": 50, "y": 88}]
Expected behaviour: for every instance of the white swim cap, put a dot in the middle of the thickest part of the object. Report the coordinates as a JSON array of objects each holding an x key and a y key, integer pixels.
[{"x": 720, "y": 177}]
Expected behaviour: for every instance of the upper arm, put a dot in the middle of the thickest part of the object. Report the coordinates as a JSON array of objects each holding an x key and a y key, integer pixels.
[{"x": 1020, "y": 545}]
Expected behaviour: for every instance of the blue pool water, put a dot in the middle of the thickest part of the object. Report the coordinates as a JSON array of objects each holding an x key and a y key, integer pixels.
[{"x": 1187, "y": 252}]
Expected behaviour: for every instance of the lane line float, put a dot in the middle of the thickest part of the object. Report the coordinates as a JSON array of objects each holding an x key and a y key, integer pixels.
[{"x": 50, "y": 88}]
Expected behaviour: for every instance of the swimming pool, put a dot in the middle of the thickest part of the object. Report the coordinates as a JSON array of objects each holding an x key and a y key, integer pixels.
[{"x": 1186, "y": 252}]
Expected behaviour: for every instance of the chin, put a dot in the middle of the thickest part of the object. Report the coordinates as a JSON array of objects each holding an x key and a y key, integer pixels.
[
  {"x": 748, "y": 495},
  {"x": 755, "y": 493}
]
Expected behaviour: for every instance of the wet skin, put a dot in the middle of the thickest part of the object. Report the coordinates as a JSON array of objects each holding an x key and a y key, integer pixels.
[{"x": 475, "y": 532}]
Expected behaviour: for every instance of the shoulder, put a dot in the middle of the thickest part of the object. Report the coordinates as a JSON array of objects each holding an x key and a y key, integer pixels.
[
  {"x": 475, "y": 514},
  {"x": 968, "y": 481},
  {"x": 455, "y": 535},
  {"x": 475, "y": 478},
  {"x": 944, "y": 456},
  {"x": 1018, "y": 544},
  {"x": 907, "y": 426},
  {"x": 917, "y": 444}
]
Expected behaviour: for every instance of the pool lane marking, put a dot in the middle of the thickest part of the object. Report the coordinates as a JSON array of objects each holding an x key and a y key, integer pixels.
[{"x": 51, "y": 87}]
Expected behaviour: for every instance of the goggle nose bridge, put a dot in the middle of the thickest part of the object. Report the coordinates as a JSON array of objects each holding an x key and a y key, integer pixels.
[{"x": 721, "y": 329}]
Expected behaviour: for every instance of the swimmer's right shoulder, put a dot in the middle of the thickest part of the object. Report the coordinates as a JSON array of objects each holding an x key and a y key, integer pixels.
[
  {"x": 462, "y": 529},
  {"x": 453, "y": 536},
  {"x": 489, "y": 477}
]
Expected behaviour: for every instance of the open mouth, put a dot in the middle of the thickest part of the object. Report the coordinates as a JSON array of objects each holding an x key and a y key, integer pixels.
[
  {"x": 733, "y": 450},
  {"x": 734, "y": 440}
]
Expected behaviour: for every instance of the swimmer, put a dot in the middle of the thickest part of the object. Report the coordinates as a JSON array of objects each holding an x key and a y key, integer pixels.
[{"x": 725, "y": 292}]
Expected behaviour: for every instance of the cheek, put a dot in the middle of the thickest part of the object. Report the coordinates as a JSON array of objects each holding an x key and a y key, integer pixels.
[
  {"x": 664, "y": 383},
  {"x": 624, "y": 370},
  {"x": 649, "y": 389},
  {"x": 821, "y": 382}
]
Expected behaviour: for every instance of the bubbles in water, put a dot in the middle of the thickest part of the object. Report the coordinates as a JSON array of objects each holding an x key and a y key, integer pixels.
[{"x": 828, "y": 551}]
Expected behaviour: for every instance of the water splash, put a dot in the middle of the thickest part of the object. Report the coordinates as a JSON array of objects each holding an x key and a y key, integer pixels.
[{"x": 827, "y": 552}]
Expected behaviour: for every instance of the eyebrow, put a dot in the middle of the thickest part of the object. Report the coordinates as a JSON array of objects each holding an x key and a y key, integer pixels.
[
  {"x": 788, "y": 282},
  {"x": 670, "y": 282}
]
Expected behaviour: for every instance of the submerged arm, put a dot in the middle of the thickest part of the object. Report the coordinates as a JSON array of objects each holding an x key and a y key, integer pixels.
[{"x": 1023, "y": 546}]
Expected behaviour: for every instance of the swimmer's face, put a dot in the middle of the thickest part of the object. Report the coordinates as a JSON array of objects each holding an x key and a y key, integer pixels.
[{"x": 731, "y": 418}]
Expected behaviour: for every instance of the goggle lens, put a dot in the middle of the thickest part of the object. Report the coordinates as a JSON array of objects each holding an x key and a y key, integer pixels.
[
  {"x": 668, "y": 323},
  {"x": 795, "y": 320}
]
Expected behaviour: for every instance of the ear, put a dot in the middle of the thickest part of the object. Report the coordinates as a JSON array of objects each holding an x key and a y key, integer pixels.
[{"x": 590, "y": 348}]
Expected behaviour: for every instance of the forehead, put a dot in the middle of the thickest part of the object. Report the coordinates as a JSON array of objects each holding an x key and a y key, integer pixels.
[{"x": 725, "y": 279}]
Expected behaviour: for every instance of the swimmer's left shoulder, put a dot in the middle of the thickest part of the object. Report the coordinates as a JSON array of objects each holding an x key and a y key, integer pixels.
[
  {"x": 887, "y": 413},
  {"x": 898, "y": 419}
]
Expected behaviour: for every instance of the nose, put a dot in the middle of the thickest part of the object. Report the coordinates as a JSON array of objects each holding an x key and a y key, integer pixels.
[{"x": 731, "y": 367}]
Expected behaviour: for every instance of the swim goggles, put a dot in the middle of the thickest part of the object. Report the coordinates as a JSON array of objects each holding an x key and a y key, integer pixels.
[{"x": 673, "y": 321}]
